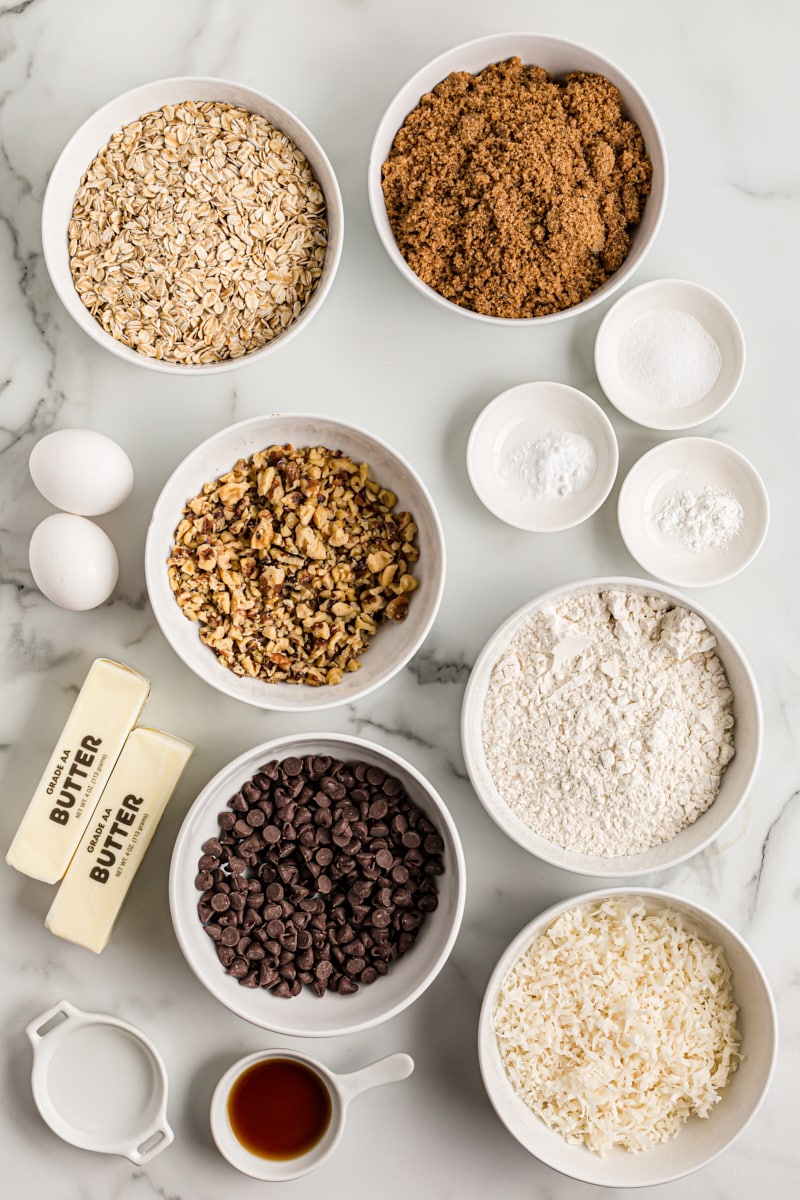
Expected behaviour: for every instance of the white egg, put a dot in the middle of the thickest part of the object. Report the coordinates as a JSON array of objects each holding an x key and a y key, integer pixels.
[
  {"x": 73, "y": 561},
  {"x": 81, "y": 471}
]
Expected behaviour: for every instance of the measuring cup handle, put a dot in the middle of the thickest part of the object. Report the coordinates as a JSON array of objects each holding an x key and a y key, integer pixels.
[
  {"x": 385, "y": 1070},
  {"x": 155, "y": 1139},
  {"x": 63, "y": 1009}
]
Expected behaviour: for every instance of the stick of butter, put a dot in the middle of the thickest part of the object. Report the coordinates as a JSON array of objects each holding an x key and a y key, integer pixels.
[
  {"x": 113, "y": 845},
  {"x": 106, "y": 710}
]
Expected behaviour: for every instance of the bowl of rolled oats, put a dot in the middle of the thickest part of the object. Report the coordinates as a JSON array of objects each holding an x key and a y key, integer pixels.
[
  {"x": 192, "y": 224},
  {"x": 295, "y": 562}
]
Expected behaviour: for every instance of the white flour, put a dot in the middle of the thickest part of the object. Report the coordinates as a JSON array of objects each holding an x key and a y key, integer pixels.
[
  {"x": 701, "y": 521},
  {"x": 555, "y": 466},
  {"x": 608, "y": 722}
]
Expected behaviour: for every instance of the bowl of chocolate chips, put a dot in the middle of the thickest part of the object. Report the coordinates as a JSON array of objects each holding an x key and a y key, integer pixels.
[{"x": 317, "y": 885}]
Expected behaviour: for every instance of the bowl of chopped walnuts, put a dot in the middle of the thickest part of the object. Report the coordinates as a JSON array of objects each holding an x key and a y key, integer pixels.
[
  {"x": 517, "y": 178},
  {"x": 294, "y": 562},
  {"x": 192, "y": 224}
]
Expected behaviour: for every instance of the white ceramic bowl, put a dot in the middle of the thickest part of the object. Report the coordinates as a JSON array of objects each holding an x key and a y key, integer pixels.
[
  {"x": 341, "y": 1089},
  {"x": 95, "y": 132},
  {"x": 394, "y": 643},
  {"x": 559, "y": 57},
  {"x": 735, "y": 784},
  {"x": 691, "y": 464},
  {"x": 308, "y": 1015},
  {"x": 523, "y": 414},
  {"x": 700, "y": 1140},
  {"x": 663, "y": 295}
]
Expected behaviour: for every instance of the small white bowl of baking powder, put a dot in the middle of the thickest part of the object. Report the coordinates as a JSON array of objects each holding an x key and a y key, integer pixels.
[
  {"x": 542, "y": 456},
  {"x": 669, "y": 354},
  {"x": 693, "y": 512}
]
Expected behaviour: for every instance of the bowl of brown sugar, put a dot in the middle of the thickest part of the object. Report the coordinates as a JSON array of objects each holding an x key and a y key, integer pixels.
[{"x": 518, "y": 177}]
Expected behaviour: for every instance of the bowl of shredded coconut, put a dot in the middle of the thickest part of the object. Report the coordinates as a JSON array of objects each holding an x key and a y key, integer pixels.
[
  {"x": 693, "y": 511},
  {"x": 627, "y": 1037},
  {"x": 612, "y": 727}
]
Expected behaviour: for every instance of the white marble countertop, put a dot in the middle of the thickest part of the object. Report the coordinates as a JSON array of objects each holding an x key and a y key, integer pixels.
[{"x": 722, "y": 80}]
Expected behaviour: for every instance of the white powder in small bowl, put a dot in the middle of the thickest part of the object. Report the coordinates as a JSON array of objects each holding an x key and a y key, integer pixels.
[
  {"x": 555, "y": 466},
  {"x": 701, "y": 521},
  {"x": 668, "y": 360}
]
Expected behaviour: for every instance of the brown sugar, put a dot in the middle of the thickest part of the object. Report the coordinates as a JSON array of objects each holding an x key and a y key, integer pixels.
[{"x": 514, "y": 195}]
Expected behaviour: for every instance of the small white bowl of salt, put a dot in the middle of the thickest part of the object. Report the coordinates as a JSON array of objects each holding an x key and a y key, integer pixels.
[
  {"x": 693, "y": 512},
  {"x": 669, "y": 354},
  {"x": 542, "y": 457}
]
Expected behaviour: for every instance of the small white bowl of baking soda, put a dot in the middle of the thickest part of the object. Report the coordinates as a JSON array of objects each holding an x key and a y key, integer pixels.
[{"x": 542, "y": 456}]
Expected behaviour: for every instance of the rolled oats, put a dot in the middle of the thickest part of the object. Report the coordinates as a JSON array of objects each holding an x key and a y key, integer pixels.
[
  {"x": 290, "y": 561},
  {"x": 198, "y": 233}
]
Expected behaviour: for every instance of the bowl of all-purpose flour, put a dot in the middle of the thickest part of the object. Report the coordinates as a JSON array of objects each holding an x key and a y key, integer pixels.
[
  {"x": 542, "y": 456},
  {"x": 611, "y": 727},
  {"x": 693, "y": 511},
  {"x": 669, "y": 354}
]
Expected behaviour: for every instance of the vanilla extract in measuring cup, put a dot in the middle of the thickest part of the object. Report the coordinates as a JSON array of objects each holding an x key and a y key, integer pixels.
[{"x": 279, "y": 1108}]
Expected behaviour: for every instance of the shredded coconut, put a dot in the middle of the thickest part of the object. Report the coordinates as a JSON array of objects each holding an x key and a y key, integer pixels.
[
  {"x": 618, "y": 1024},
  {"x": 668, "y": 359},
  {"x": 701, "y": 521},
  {"x": 555, "y": 466},
  {"x": 608, "y": 722}
]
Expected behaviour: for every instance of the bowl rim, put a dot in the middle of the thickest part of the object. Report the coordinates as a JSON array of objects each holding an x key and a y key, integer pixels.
[
  {"x": 653, "y": 285},
  {"x": 285, "y": 745},
  {"x": 538, "y": 925},
  {"x": 81, "y": 315},
  {"x": 472, "y": 709},
  {"x": 750, "y": 470},
  {"x": 378, "y": 209},
  {"x": 152, "y": 562},
  {"x": 587, "y": 403}
]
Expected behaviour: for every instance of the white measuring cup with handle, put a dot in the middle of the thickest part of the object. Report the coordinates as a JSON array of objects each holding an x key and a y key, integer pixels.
[{"x": 99, "y": 1083}]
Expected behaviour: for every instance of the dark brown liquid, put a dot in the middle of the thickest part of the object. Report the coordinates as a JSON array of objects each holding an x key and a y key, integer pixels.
[{"x": 279, "y": 1108}]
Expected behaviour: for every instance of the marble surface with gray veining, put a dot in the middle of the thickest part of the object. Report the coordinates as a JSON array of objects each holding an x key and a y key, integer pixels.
[{"x": 722, "y": 79}]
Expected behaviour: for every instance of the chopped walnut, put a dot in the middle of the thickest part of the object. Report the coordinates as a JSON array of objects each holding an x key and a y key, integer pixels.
[{"x": 290, "y": 561}]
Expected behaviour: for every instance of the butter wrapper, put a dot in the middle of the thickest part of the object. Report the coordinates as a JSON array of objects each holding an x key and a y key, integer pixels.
[
  {"x": 106, "y": 710},
  {"x": 114, "y": 843}
]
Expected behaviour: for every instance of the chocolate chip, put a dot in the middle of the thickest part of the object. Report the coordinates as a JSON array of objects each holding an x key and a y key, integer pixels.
[{"x": 321, "y": 876}]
